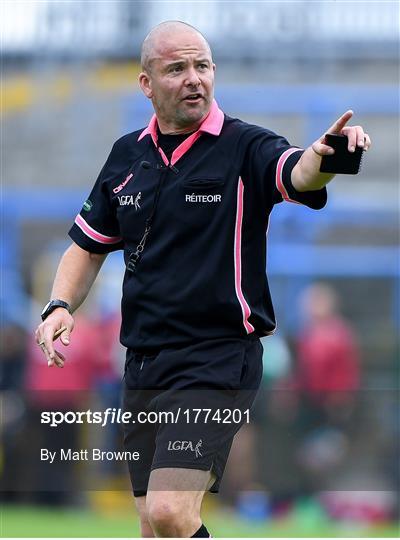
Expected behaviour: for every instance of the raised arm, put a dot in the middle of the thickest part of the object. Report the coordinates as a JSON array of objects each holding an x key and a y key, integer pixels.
[
  {"x": 75, "y": 276},
  {"x": 306, "y": 175}
]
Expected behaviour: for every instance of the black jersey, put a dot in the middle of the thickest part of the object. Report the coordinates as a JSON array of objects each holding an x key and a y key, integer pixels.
[{"x": 202, "y": 272}]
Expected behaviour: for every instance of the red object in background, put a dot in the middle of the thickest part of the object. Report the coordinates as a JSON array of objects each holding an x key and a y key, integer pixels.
[
  {"x": 364, "y": 507},
  {"x": 85, "y": 361},
  {"x": 328, "y": 359},
  {"x": 113, "y": 353}
]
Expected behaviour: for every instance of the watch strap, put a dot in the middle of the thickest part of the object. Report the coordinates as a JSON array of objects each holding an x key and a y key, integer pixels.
[{"x": 52, "y": 305}]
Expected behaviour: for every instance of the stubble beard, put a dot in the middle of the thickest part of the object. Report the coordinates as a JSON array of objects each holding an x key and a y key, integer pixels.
[
  {"x": 182, "y": 117},
  {"x": 186, "y": 118}
]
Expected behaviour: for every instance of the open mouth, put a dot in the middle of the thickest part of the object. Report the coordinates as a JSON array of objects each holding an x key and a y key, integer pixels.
[{"x": 193, "y": 97}]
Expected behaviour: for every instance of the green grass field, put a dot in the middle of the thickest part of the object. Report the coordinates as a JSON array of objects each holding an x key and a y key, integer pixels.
[{"x": 34, "y": 522}]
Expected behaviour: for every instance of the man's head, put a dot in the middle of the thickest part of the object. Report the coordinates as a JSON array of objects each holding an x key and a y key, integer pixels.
[{"x": 177, "y": 75}]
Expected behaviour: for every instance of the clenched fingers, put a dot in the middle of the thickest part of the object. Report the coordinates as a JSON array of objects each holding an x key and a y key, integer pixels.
[{"x": 356, "y": 137}]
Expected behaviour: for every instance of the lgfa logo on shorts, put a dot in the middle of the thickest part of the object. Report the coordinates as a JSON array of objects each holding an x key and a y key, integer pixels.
[{"x": 186, "y": 445}]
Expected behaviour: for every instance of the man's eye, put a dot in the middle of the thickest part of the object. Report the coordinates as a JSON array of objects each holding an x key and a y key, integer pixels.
[
  {"x": 203, "y": 66},
  {"x": 176, "y": 69}
]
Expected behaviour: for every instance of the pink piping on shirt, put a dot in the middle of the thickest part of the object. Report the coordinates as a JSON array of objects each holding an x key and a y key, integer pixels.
[
  {"x": 212, "y": 124},
  {"x": 164, "y": 157},
  {"x": 279, "y": 175},
  {"x": 184, "y": 147},
  {"x": 94, "y": 235},
  {"x": 238, "y": 259}
]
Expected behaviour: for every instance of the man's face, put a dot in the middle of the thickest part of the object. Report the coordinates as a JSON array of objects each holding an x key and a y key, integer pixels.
[{"x": 180, "y": 81}]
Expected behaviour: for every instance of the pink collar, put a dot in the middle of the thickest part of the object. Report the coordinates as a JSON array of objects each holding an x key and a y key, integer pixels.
[{"x": 212, "y": 124}]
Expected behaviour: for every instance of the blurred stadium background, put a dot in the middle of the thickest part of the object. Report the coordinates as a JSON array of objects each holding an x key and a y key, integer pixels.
[{"x": 312, "y": 463}]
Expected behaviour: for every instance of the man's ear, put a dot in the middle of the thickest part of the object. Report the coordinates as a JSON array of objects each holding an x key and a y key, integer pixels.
[{"x": 145, "y": 84}]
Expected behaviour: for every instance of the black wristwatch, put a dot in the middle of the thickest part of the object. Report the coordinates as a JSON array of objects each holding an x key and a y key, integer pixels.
[{"x": 52, "y": 305}]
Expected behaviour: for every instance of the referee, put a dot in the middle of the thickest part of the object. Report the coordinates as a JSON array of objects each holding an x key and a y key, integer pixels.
[{"x": 188, "y": 201}]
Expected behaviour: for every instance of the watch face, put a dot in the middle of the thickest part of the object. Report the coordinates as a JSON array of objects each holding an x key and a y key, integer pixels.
[{"x": 45, "y": 308}]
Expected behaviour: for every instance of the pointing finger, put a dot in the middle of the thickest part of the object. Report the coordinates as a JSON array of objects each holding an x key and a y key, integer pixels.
[{"x": 337, "y": 126}]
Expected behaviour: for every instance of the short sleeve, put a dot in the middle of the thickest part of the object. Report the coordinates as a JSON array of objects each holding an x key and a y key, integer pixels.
[
  {"x": 96, "y": 228},
  {"x": 269, "y": 161}
]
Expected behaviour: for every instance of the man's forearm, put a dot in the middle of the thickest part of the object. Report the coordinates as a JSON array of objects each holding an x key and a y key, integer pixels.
[
  {"x": 75, "y": 275},
  {"x": 305, "y": 174}
]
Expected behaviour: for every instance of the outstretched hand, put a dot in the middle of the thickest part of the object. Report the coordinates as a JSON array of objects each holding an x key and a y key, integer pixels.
[
  {"x": 355, "y": 135},
  {"x": 59, "y": 324}
]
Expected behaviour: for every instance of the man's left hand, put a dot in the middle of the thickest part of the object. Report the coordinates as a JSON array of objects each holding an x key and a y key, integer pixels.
[
  {"x": 306, "y": 175},
  {"x": 355, "y": 135}
]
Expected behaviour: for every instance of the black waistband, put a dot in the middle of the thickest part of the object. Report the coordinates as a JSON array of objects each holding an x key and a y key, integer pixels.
[{"x": 151, "y": 352}]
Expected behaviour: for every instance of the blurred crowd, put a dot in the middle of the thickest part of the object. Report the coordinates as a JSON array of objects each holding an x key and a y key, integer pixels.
[{"x": 308, "y": 439}]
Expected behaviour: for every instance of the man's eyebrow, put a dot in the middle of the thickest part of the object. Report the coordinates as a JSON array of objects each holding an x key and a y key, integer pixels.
[
  {"x": 175, "y": 63},
  {"x": 180, "y": 62}
]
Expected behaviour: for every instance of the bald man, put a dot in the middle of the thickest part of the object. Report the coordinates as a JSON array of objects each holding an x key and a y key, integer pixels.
[{"x": 188, "y": 200}]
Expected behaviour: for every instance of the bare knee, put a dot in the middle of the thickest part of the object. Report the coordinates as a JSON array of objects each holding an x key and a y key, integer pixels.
[
  {"x": 174, "y": 501},
  {"x": 164, "y": 517},
  {"x": 169, "y": 518}
]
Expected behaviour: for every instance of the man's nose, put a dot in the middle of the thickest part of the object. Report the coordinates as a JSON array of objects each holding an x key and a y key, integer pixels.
[{"x": 192, "y": 78}]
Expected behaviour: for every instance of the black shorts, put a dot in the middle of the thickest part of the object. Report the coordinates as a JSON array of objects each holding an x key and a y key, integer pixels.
[{"x": 198, "y": 397}]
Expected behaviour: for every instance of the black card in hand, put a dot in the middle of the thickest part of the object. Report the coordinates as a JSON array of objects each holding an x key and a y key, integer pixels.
[{"x": 342, "y": 161}]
